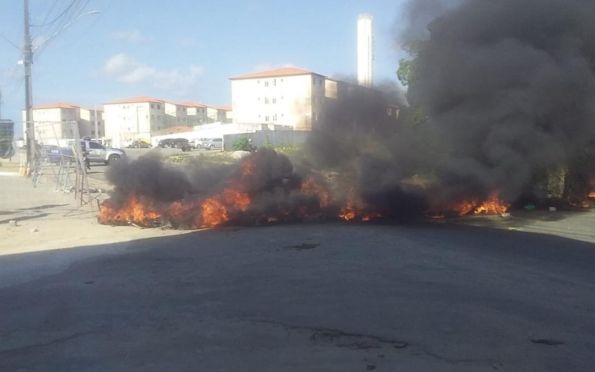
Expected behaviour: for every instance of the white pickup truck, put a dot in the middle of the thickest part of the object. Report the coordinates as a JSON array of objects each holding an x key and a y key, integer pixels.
[{"x": 97, "y": 153}]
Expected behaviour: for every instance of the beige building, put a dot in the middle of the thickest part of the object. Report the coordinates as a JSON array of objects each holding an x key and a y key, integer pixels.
[
  {"x": 55, "y": 123},
  {"x": 196, "y": 113},
  {"x": 142, "y": 117},
  {"x": 135, "y": 118},
  {"x": 93, "y": 119},
  {"x": 288, "y": 96}
]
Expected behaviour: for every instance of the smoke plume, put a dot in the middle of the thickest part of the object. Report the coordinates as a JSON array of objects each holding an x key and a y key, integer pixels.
[
  {"x": 501, "y": 96},
  {"x": 502, "y": 93},
  {"x": 509, "y": 88}
]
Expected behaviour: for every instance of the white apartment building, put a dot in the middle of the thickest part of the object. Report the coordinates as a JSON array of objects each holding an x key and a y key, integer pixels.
[
  {"x": 54, "y": 123},
  {"x": 140, "y": 118},
  {"x": 288, "y": 96},
  {"x": 135, "y": 118},
  {"x": 93, "y": 118},
  {"x": 196, "y": 113}
]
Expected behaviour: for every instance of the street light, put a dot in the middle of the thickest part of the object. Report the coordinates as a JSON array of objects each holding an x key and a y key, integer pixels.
[{"x": 65, "y": 27}]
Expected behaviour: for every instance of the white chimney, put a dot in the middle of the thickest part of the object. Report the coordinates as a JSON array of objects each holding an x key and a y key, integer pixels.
[{"x": 365, "y": 50}]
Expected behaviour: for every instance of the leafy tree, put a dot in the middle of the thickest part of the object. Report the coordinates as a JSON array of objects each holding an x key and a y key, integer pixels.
[{"x": 243, "y": 144}]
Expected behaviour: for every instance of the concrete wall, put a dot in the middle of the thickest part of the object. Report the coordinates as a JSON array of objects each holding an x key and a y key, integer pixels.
[{"x": 268, "y": 138}]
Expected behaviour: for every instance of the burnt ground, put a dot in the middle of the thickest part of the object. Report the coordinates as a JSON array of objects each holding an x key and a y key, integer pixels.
[{"x": 325, "y": 297}]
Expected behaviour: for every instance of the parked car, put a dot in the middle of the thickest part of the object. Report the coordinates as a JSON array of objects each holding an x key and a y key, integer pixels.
[
  {"x": 97, "y": 153},
  {"x": 55, "y": 154},
  {"x": 200, "y": 143},
  {"x": 165, "y": 143},
  {"x": 139, "y": 144},
  {"x": 177, "y": 143},
  {"x": 214, "y": 144},
  {"x": 182, "y": 143}
]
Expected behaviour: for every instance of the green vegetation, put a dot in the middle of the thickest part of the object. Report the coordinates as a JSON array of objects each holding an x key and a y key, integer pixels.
[{"x": 243, "y": 144}]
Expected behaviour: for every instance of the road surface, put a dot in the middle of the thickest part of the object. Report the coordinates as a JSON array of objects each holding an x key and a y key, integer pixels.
[{"x": 326, "y": 297}]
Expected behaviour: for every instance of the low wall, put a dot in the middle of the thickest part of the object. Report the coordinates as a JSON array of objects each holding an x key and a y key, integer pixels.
[{"x": 268, "y": 138}]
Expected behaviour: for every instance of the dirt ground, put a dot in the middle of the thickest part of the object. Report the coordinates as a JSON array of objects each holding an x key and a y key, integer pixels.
[{"x": 42, "y": 218}]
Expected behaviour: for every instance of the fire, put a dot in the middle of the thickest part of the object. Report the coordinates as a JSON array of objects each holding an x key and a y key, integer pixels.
[
  {"x": 213, "y": 213},
  {"x": 355, "y": 209},
  {"x": 135, "y": 211},
  {"x": 210, "y": 212},
  {"x": 492, "y": 206},
  {"x": 311, "y": 187},
  {"x": 244, "y": 198},
  {"x": 592, "y": 195}
]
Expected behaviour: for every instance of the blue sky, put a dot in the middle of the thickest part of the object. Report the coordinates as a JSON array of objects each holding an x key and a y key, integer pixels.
[{"x": 183, "y": 49}]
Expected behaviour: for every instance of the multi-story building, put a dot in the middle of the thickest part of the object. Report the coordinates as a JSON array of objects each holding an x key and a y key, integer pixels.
[
  {"x": 93, "y": 118},
  {"x": 196, "y": 113},
  {"x": 135, "y": 118},
  {"x": 288, "y": 96},
  {"x": 56, "y": 123}
]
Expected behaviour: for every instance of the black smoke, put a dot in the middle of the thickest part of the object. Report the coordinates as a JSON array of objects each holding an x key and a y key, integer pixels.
[
  {"x": 502, "y": 93},
  {"x": 509, "y": 87}
]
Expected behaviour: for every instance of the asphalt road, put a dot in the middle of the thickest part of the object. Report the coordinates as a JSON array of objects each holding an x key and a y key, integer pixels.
[{"x": 325, "y": 297}]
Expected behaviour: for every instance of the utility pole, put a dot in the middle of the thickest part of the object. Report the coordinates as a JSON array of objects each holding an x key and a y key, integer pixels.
[{"x": 27, "y": 61}]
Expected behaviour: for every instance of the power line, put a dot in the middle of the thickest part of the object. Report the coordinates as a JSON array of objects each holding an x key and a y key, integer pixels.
[
  {"x": 10, "y": 42},
  {"x": 57, "y": 18},
  {"x": 47, "y": 14}
]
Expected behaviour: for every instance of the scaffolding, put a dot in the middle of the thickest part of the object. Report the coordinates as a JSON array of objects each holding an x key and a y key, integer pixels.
[{"x": 62, "y": 161}]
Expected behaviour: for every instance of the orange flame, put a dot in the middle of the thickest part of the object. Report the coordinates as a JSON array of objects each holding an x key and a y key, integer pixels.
[
  {"x": 213, "y": 213},
  {"x": 493, "y": 205},
  {"x": 133, "y": 211},
  {"x": 311, "y": 187},
  {"x": 592, "y": 194},
  {"x": 355, "y": 209}
]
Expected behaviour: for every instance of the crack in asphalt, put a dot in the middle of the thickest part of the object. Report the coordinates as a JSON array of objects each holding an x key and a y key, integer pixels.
[
  {"x": 364, "y": 341},
  {"x": 334, "y": 335},
  {"x": 44, "y": 344}
]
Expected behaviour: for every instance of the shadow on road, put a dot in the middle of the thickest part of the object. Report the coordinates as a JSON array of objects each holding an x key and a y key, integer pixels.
[{"x": 324, "y": 297}]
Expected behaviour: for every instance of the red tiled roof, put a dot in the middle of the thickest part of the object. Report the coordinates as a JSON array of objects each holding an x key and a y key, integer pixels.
[
  {"x": 140, "y": 99},
  {"x": 192, "y": 104},
  {"x": 56, "y": 105},
  {"x": 284, "y": 71},
  {"x": 224, "y": 107}
]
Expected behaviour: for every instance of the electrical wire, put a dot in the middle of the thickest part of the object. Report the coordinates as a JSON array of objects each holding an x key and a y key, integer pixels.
[{"x": 57, "y": 18}]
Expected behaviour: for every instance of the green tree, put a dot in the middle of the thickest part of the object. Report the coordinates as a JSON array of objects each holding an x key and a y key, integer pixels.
[{"x": 405, "y": 71}]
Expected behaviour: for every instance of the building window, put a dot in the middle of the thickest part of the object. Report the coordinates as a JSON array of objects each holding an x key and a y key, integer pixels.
[
  {"x": 275, "y": 117},
  {"x": 274, "y": 100},
  {"x": 266, "y": 83},
  {"x": 266, "y": 100},
  {"x": 257, "y": 81},
  {"x": 275, "y": 82}
]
